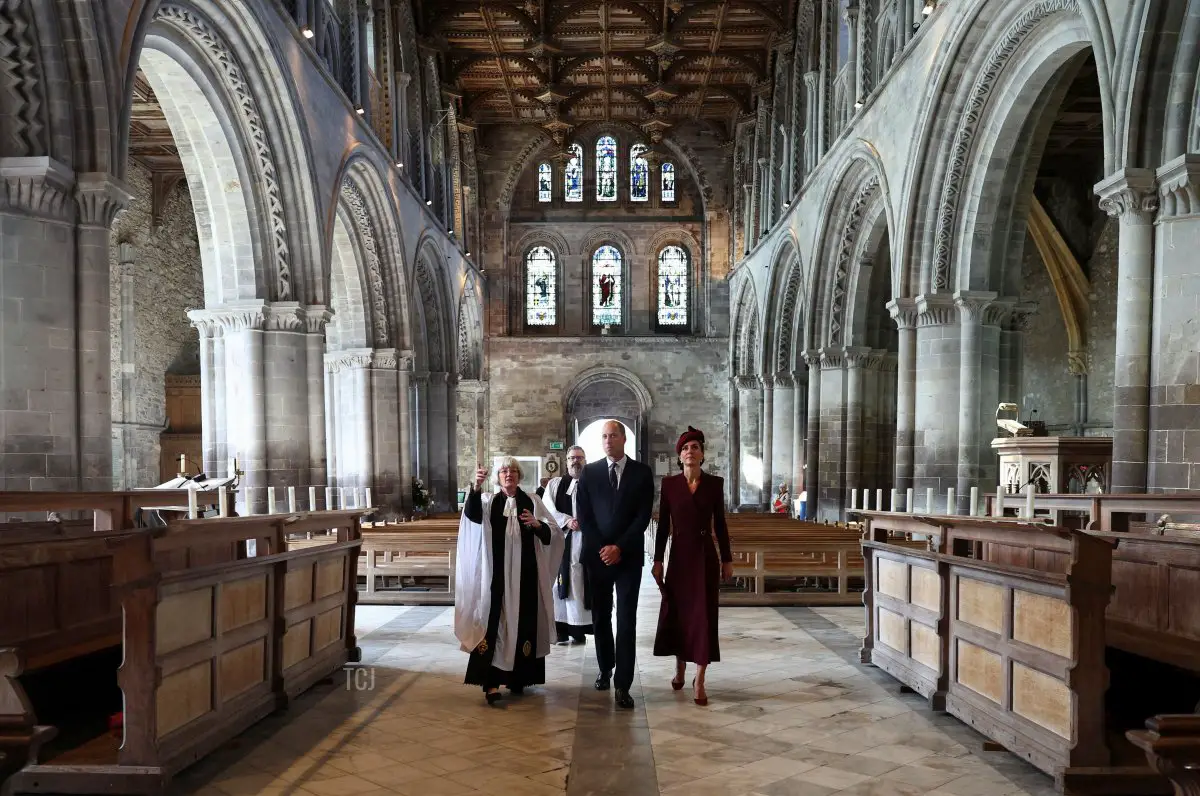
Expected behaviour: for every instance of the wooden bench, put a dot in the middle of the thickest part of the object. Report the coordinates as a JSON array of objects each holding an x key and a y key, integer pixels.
[
  {"x": 1103, "y": 512},
  {"x": 208, "y": 650}
]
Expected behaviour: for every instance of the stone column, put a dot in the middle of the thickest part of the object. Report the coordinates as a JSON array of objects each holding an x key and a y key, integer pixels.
[
  {"x": 439, "y": 426},
  {"x": 938, "y": 367},
  {"x": 751, "y": 438},
  {"x": 209, "y": 332},
  {"x": 98, "y": 197},
  {"x": 404, "y": 149},
  {"x": 287, "y": 386},
  {"x": 407, "y": 459},
  {"x": 812, "y": 467},
  {"x": 384, "y": 426},
  {"x": 421, "y": 434},
  {"x": 316, "y": 318},
  {"x": 768, "y": 442},
  {"x": 747, "y": 217},
  {"x": 799, "y": 386},
  {"x": 832, "y": 417},
  {"x": 856, "y": 359},
  {"x": 782, "y": 453},
  {"x": 125, "y": 475},
  {"x": 854, "y": 80},
  {"x": 246, "y": 399},
  {"x": 350, "y": 447},
  {"x": 1174, "y": 405},
  {"x": 904, "y": 313},
  {"x": 971, "y": 306},
  {"x": 812, "y": 106},
  {"x": 734, "y": 498},
  {"x": 1131, "y": 196}
]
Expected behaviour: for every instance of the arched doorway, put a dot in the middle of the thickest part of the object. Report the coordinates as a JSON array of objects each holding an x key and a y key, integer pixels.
[
  {"x": 607, "y": 393},
  {"x": 589, "y": 439}
]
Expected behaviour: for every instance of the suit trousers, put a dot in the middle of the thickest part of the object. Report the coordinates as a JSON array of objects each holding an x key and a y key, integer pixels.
[{"x": 625, "y": 579}]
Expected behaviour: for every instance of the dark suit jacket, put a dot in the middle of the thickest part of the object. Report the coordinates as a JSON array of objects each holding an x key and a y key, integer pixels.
[{"x": 620, "y": 517}]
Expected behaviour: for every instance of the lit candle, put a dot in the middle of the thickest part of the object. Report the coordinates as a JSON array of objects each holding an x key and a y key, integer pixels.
[
  {"x": 853, "y": 499},
  {"x": 182, "y": 463},
  {"x": 879, "y": 500},
  {"x": 291, "y": 499},
  {"x": 894, "y": 498}
]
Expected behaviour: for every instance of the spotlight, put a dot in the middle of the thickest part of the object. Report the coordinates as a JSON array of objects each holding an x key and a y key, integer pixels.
[
  {"x": 429, "y": 202},
  {"x": 307, "y": 32},
  {"x": 399, "y": 164},
  {"x": 858, "y": 104},
  {"x": 360, "y": 111},
  {"x": 466, "y": 254},
  {"x": 929, "y": 6}
]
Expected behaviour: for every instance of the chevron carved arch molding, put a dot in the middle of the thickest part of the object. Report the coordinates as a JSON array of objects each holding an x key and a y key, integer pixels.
[
  {"x": 968, "y": 127},
  {"x": 25, "y": 123},
  {"x": 222, "y": 58},
  {"x": 784, "y": 357},
  {"x": 368, "y": 237},
  {"x": 865, "y": 197}
]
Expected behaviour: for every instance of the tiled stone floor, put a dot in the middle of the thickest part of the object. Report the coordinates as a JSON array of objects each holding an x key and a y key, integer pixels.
[{"x": 791, "y": 713}]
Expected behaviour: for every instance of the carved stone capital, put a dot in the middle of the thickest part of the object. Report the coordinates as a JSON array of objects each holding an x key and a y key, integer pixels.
[
  {"x": 903, "y": 312},
  {"x": 350, "y": 359},
  {"x": 204, "y": 323},
  {"x": 832, "y": 358},
  {"x": 746, "y": 383},
  {"x": 316, "y": 318},
  {"x": 812, "y": 358},
  {"x": 403, "y": 79},
  {"x": 36, "y": 186},
  {"x": 1129, "y": 194},
  {"x": 935, "y": 309},
  {"x": 284, "y": 316},
  {"x": 767, "y": 382},
  {"x": 100, "y": 197},
  {"x": 785, "y": 381},
  {"x": 1077, "y": 362},
  {"x": 996, "y": 313},
  {"x": 384, "y": 359},
  {"x": 1179, "y": 187},
  {"x": 229, "y": 318},
  {"x": 405, "y": 361},
  {"x": 1020, "y": 316},
  {"x": 858, "y": 356},
  {"x": 972, "y": 303}
]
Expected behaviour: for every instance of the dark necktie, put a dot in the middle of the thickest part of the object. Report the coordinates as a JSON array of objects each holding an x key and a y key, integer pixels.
[{"x": 612, "y": 475}]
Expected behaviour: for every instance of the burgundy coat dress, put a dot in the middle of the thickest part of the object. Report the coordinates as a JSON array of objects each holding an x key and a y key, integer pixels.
[{"x": 687, "y": 619}]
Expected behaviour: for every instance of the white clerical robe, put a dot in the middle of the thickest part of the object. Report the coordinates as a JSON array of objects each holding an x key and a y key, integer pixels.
[
  {"x": 569, "y": 611},
  {"x": 473, "y": 580}
]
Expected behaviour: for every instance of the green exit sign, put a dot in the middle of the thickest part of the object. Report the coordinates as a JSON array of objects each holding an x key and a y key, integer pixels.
[{"x": 556, "y": 446}]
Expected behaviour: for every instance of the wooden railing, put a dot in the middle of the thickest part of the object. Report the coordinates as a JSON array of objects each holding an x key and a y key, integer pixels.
[
  {"x": 208, "y": 650},
  {"x": 1100, "y": 512},
  {"x": 107, "y": 510}
]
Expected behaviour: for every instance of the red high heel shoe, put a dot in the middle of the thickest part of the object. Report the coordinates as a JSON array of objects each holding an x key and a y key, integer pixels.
[
  {"x": 676, "y": 685},
  {"x": 701, "y": 701}
]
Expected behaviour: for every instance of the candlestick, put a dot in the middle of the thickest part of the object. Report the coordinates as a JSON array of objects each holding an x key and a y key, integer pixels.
[
  {"x": 312, "y": 498},
  {"x": 853, "y": 499},
  {"x": 894, "y": 498},
  {"x": 222, "y": 510},
  {"x": 974, "y": 500},
  {"x": 951, "y": 508},
  {"x": 291, "y": 500},
  {"x": 182, "y": 464},
  {"x": 193, "y": 512}
]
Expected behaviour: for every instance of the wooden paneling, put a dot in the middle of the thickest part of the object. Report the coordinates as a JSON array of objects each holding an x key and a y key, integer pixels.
[
  {"x": 1043, "y": 622},
  {"x": 892, "y": 631},
  {"x": 926, "y": 647},
  {"x": 243, "y": 601},
  {"x": 296, "y": 643},
  {"x": 183, "y": 697},
  {"x": 184, "y": 619},
  {"x": 1042, "y": 699},
  {"x": 299, "y": 587},
  {"x": 981, "y": 671},
  {"x": 926, "y": 589},
  {"x": 981, "y": 604},
  {"x": 893, "y": 579},
  {"x": 243, "y": 668}
]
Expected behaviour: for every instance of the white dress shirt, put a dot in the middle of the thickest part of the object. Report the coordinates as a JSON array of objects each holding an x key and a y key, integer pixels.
[{"x": 620, "y": 466}]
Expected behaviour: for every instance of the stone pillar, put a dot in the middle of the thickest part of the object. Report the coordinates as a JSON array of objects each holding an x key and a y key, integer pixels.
[
  {"x": 404, "y": 389},
  {"x": 332, "y": 443},
  {"x": 971, "y": 306},
  {"x": 287, "y": 387},
  {"x": 404, "y": 148},
  {"x": 812, "y": 466},
  {"x": 440, "y": 429},
  {"x": 316, "y": 318},
  {"x": 749, "y": 405},
  {"x": 386, "y": 478},
  {"x": 904, "y": 313},
  {"x": 799, "y": 386},
  {"x": 421, "y": 436},
  {"x": 734, "y": 498},
  {"x": 854, "y": 81},
  {"x": 209, "y": 332},
  {"x": 125, "y": 475},
  {"x": 812, "y": 107},
  {"x": 783, "y": 432},
  {"x": 856, "y": 360},
  {"x": 350, "y": 448},
  {"x": 1131, "y": 196},
  {"x": 831, "y": 486},
  {"x": 747, "y": 218},
  {"x": 938, "y": 368},
  {"x": 246, "y": 400},
  {"x": 1174, "y": 405},
  {"x": 768, "y": 442}
]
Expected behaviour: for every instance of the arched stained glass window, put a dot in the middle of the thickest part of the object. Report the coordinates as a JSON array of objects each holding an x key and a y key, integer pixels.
[
  {"x": 541, "y": 275},
  {"x": 606, "y": 286},
  {"x": 639, "y": 174},
  {"x": 573, "y": 175},
  {"x": 606, "y": 169},
  {"x": 668, "y": 182},
  {"x": 545, "y": 182},
  {"x": 672, "y": 286}
]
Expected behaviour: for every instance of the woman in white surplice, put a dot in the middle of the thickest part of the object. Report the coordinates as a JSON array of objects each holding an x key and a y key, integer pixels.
[{"x": 509, "y": 549}]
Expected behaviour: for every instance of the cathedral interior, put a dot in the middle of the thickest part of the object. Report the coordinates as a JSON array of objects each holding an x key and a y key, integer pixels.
[{"x": 346, "y": 252}]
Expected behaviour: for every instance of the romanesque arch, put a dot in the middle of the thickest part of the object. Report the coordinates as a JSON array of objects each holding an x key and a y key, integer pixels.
[{"x": 609, "y": 392}]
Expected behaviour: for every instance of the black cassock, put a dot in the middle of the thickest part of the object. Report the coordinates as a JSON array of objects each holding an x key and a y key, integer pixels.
[{"x": 528, "y": 669}]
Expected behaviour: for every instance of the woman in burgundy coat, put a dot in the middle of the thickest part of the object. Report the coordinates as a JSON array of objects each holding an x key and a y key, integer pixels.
[{"x": 691, "y": 510}]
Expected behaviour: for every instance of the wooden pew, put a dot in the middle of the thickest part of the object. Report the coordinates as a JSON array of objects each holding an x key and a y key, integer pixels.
[
  {"x": 108, "y": 510},
  {"x": 1101, "y": 512},
  {"x": 209, "y": 650},
  {"x": 1171, "y": 744},
  {"x": 1016, "y": 652}
]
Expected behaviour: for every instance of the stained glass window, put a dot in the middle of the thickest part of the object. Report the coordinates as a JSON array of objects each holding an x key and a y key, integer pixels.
[
  {"x": 668, "y": 182},
  {"x": 672, "y": 286},
  {"x": 540, "y": 294},
  {"x": 606, "y": 286},
  {"x": 573, "y": 175},
  {"x": 606, "y": 169},
  {"x": 544, "y": 183},
  {"x": 639, "y": 174}
]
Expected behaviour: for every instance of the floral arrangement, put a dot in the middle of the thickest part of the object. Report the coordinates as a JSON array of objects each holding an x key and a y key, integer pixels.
[{"x": 421, "y": 497}]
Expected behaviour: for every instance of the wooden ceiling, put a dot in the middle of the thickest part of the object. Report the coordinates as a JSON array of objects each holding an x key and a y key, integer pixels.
[
  {"x": 560, "y": 64},
  {"x": 150, "y": 141}
]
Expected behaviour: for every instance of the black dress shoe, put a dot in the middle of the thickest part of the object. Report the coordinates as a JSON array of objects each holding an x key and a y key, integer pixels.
[
  {"x": 602, "y": 682},
  {"x": 624, "y": 700},
  {"x": 493, "y": 697}
]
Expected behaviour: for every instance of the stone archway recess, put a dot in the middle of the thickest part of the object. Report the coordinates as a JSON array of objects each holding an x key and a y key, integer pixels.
[{"x": 602, "y": 393}]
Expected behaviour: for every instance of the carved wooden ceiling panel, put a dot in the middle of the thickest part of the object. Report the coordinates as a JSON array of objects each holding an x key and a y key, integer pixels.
[
  {"x": 150, "y": 141},
  {"x": 653, "y": 63}
]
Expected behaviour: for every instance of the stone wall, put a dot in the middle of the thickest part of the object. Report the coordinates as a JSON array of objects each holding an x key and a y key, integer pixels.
[
  {"x": 167, "y": 281},
  {"x": 529, "y": 379}
]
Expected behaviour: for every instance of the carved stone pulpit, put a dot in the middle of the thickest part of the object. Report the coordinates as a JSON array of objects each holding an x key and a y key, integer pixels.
[{"x": 1055, "y": 465}]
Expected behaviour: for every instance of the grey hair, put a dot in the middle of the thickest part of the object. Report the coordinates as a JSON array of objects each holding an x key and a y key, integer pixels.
[
  {"x": 576, "y": 448},
  {"x": 512, "y": 464}
]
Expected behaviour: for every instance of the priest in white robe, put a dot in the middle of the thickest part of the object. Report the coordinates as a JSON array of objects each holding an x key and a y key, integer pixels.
[
  {"x": 572, "y": 591},
  {"x": 509, "y": 549}
]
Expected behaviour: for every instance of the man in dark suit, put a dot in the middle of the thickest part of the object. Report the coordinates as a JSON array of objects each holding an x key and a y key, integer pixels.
[{"x": 615, "y": 497}]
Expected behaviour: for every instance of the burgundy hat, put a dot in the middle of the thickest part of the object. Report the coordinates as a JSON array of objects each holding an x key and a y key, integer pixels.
[{"x": 688, "y": 436}]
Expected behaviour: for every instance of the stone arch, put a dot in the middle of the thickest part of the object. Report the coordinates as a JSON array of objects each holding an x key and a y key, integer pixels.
[
  {"x": 435, "y": 354},
  {"x": 782, "y": 318},
  {"x": 363, "y": 199},
  {"x": 1181, "y": 131},
  {"x": 1025, "y": 45},
  {"x": 607, "y": 234},
  {"x": 743, "y": 337},
  {"x": 541, "y": 237},
  {"x": 352, "y": 321},
  {"x": 212, "y": 67},
  {"x": 469, "y": 340},
  {"x": 606, "y": 391},
  {"x": 874, "y": 233},
  {"x": 859, "y": 193}
]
